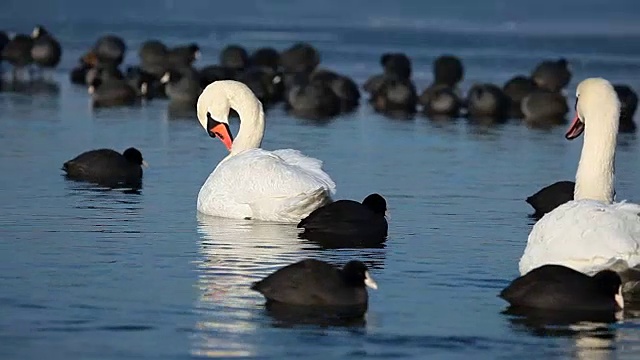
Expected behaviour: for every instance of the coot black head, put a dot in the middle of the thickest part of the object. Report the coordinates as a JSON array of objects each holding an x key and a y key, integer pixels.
[
  {"x": 4, "y": 40},
  {"x": 133, "y": 155},
  {"x": 376, "y": 203},
  {"x": 356, "y": 274},
  {"x": 178, "y": 74},
  {"x": 193, "y": 47},
  {"x": 94, "y": 84},
  {"x": 234, "y": 57},
  {"x": 397, "y": 64},
  {"x": 171, "y": 76},
  {"x": 38, "y": 31},
  {"x": 552, "y": 75},
  {"x": 141, "y": 80},
  {"x": 300, "y": 57},
  {"x": 628, "y": 106},
  {"x": 110, "y": 49},
  {"x": 609, "y": 282},
  {"x": 152, "y": 47},
  {"x": 267, "y": 57},
  {"x": 448, "y": 69}
]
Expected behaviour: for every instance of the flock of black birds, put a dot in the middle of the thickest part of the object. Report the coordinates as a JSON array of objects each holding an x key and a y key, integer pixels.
[
  {"x": 28, "y": 54},
  {"x": 295, "y": 78}
]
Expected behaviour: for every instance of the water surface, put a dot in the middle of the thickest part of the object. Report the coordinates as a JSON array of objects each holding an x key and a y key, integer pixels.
[{"x": 95, "y": 274}]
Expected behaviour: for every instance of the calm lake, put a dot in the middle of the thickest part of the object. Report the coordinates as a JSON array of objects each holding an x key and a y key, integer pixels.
[{"x": 87, "y": 273}]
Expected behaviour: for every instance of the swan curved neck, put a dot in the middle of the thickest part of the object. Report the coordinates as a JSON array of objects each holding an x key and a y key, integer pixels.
[
  {"x": 595, "y": 175},
  {"x": 251, "y": 115}
]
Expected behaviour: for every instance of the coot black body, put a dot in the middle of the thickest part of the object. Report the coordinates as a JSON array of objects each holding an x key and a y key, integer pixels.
[
  {"x": 107, "y": 167},
  {"x": 313, "y": 282},
  {"x": 349, "y": 218},
  {"x": 557, "y": 287}
]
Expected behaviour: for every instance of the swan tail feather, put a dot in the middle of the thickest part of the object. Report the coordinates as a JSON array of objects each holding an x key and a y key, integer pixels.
[
  {"x": 292, "y": 209},
  {"x": 631, "y": 208},
  {"x": 301, "y": 206},
  {"x": 310, "y": 165}
]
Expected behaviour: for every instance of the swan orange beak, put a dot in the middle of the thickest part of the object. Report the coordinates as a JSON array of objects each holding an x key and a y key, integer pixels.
[
  {"x": 220, "y": 130},
  {"x": 575, "y": 129}
]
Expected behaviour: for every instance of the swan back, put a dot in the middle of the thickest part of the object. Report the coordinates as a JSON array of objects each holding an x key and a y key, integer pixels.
[
  {"x": 585, "y": 235},
  {"x": 310, "y": 165}
]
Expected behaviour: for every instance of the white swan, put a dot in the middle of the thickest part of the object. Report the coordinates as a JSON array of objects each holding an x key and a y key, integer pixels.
[
  {"x": 591, "y": 232},
  {"x": 280, "y": 185}
]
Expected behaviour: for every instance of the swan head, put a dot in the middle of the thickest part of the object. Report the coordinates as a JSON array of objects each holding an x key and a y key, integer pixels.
[
  {"x": 594, "y": 95},
  {"x": 213, "y": 112}
]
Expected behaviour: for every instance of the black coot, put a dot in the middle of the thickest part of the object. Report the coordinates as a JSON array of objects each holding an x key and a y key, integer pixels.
[
  {"x": 557, "y": 287},
  {"x": 107, "y": 167},
  {"x": 46, "y": 50},
  {"x": 313, "y": 282},
  {"x": 364, "y": 220}
]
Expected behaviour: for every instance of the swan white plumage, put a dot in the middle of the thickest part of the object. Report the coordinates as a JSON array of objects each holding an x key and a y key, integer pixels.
[
  {"x": 591, "y": 232},
  {"x": 281, "y": 185}
]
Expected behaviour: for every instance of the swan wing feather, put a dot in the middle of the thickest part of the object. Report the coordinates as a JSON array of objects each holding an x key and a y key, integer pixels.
[
  {"x": 308, "y": 164},
  {"x": 585, "y": 235}
]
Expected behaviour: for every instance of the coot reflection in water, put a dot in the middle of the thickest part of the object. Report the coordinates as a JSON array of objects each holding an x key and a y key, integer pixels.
[
  {"x": 106, "y": 211},
  {"x": 95, "y": 196},
  {"x": 81, "y": 185},
  {"x": 36, "y": 87},
  {"x": 540, "y": 318},
  {"x": 594, "y": 333},
  {"x": 332, "y": 241},
  {"x": 286, "y": 315}
]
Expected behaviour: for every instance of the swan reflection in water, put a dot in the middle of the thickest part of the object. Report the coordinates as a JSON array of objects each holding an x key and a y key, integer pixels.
[{"x": 235, "y": 253}]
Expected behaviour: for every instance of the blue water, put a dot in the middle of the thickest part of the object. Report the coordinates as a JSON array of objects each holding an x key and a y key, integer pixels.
[{"x": 93, "y": 274}]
